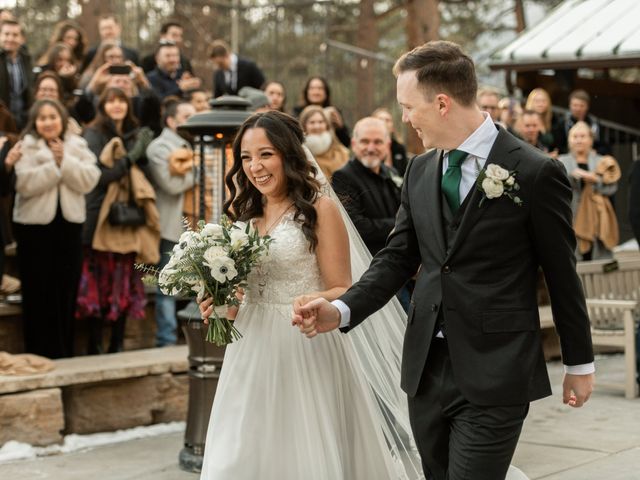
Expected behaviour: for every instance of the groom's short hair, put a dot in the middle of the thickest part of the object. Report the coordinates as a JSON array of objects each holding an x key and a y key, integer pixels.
[{"x": 441, "y": 66}]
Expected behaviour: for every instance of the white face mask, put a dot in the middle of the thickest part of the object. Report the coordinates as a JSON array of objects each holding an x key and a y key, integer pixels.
[{"x": 318, "y": 143}]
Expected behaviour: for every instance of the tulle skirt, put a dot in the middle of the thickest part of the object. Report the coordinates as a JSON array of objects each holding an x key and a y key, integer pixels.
[{"x": 289, "y": 408}]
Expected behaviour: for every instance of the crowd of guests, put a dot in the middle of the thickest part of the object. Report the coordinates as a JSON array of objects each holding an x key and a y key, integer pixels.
[
  {"x": 101, "y": 177},
  {"x": 574, "y": 139}
]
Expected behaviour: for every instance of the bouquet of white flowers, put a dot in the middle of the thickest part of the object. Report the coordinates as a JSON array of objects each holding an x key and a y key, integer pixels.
[{"x": 214, "y": 261}]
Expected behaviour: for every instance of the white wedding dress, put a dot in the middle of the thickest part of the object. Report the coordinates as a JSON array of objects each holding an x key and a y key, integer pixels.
[{"x": 288, "y": 407}]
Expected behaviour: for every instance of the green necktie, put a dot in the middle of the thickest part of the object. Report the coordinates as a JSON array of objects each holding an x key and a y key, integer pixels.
[{"x": 451, "y": 179}]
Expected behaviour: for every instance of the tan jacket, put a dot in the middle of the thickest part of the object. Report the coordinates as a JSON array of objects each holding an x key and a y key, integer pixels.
[
  {"x": 596, "y": 218},
  {"x": 143, "y": 240},
  {"x": 333, "y": 159},
  {"x": 41, "y": 184}
]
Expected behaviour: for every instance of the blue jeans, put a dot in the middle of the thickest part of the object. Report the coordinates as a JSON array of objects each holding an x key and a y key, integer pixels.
[{"x": 166, "y": 321}]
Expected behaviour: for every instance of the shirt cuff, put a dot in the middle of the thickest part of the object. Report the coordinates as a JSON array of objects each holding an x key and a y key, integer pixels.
[
  {"x": 584, "y": 369},
  {"x": 345, "y": 312}
]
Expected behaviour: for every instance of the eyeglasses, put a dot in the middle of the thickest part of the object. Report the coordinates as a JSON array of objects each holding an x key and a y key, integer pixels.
[{"x": 488, "y": 107}]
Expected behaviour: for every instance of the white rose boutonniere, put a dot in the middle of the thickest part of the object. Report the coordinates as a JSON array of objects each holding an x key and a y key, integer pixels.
[{"x": 495, "y": 182}]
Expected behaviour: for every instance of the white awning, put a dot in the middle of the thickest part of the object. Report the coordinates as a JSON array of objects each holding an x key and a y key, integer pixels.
[{"x": 578, "y": 33}]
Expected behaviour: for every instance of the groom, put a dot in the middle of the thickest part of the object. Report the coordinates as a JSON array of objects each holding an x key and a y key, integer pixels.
[{"x": 472, "y": 358}]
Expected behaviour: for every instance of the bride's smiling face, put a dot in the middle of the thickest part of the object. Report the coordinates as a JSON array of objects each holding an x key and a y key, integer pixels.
[{"x": 262, "y": 163}]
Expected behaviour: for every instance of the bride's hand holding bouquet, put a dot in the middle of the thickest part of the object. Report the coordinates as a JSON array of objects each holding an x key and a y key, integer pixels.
[{"x": 213, "y": 262}]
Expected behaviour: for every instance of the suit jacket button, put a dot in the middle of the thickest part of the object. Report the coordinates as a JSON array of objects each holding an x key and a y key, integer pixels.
[
  {"x": 446, "y": 269},
  {"x": 434, "y": 307}
]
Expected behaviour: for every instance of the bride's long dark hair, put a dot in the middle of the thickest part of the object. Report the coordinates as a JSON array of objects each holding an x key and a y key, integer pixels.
[{"x": 286, "y": 136}]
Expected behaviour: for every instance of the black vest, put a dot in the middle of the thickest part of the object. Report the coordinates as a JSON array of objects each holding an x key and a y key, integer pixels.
[{"x": 450, "y": 224}]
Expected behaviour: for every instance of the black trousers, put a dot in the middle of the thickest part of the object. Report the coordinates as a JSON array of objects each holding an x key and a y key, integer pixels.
[
  {"x": 456, "y": 439},
  {"x": 49, "y": 261}
]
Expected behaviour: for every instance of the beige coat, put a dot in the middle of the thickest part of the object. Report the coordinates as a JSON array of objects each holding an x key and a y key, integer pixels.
[
  {"x": 143, "y": 240},
  {"x": 41, "y": 184},
  {"x": 596, "y": 218},
  {"x": 333, "y": 159}
]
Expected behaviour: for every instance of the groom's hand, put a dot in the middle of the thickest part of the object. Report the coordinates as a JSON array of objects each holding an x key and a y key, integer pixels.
[
  {"x": 315, "y": 316},
  {"x": 576, "y": 389}
]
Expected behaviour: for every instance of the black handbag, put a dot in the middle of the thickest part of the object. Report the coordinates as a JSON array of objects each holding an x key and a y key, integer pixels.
[{"x": 126, "y": 213}]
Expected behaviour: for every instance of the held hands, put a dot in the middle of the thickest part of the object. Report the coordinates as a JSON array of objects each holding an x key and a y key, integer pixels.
[
  {"x": 335, "y": 117},
  {"x": 138, "y": 75},
  {"x": 313, "y": 315},
  {"x": 13, "y": 155},
  {"x": 99, "y": 78},
  {"x": 188, "y": 82},
  {"x": 57, "y": 148},
  {"x": 581, "y": 174},
  {"x": 576, "y": 389},
  {"x": 67, "y": 70}
]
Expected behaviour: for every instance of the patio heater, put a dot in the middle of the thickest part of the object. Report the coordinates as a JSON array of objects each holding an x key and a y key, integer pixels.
[{"x": 212, "y": 131}]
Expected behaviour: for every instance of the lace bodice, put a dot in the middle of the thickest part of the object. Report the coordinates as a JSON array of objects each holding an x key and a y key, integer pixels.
[{"x": 288, "y": 270}]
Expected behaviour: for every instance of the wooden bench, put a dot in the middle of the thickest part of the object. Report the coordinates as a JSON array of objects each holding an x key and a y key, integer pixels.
[{"x": 612, "y": 289}]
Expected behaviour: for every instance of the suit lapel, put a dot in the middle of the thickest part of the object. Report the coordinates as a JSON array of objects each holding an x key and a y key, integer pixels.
[
  {"x": 434, "y": 201},
  {"x": 501, "y": 154}
]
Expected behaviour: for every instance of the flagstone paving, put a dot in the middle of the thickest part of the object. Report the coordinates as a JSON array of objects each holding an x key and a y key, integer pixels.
[{"x": 600, "y": 441}]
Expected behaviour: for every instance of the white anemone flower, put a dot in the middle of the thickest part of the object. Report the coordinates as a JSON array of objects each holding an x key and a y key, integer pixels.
[{"x": 223, "y": 269}]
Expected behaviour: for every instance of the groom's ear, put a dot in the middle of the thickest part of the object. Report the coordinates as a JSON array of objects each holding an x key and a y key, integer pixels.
[{"x": 443, "y": 103}]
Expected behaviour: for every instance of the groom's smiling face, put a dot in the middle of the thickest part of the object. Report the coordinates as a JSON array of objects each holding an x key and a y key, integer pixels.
[{"x": 421, "y": 112}]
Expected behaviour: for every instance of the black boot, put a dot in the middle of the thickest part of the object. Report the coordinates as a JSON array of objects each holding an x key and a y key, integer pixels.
[
  {"x": 117, "y": 335},
  {"x": 94, "y": 346}
]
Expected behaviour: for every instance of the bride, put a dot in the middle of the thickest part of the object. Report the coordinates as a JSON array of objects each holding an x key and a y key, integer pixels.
[{"x": 274, "y": 417}]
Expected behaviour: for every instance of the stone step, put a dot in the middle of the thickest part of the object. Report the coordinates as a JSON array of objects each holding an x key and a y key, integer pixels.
[
  {"x": 99, "y": 368},
  {"x": 98, "y": 393}
]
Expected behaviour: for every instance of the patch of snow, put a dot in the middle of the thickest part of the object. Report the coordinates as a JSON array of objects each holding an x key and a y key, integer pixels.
[{"x": 12, "y": 450}]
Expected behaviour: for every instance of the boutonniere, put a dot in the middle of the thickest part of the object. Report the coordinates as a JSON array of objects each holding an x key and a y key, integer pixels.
[{"x": 495, "y": 182}]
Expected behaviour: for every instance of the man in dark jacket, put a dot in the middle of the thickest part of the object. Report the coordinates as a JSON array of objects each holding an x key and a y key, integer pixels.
[
  {"x": 110, "y": 30},
  {"x": 16, "y": 77},
  {"x": 579, "y": 104},
  {"x": 398, "y": 155},
  {"x": 233, "y": 72},
  {"x": 370, "y": 190},
  {"x": 168, "y": 78},
  {"x": 170, "y": 32}
]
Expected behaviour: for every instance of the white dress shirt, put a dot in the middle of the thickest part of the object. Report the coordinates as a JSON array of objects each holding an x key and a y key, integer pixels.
[
  {"x": 231, "y": 75},
  {"x": 477, "y": 146}
]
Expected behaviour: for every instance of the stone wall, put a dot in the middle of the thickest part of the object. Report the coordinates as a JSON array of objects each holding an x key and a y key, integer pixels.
[
  {"x": 117, "y": 405},
  {"x": 34, "y": 417},
  {"x": 100, "y": 393}
]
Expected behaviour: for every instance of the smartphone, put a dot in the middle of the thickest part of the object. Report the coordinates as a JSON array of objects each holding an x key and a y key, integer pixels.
[{"x": 119, "y": 69}]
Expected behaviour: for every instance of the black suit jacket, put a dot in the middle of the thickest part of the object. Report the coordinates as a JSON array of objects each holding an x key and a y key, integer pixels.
[
  {"x": 5, "y": 82},
  {"x": 249, "y": 75},
  {"x": 371, "y": 200},
  {"x": 485, "y": 282}
]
